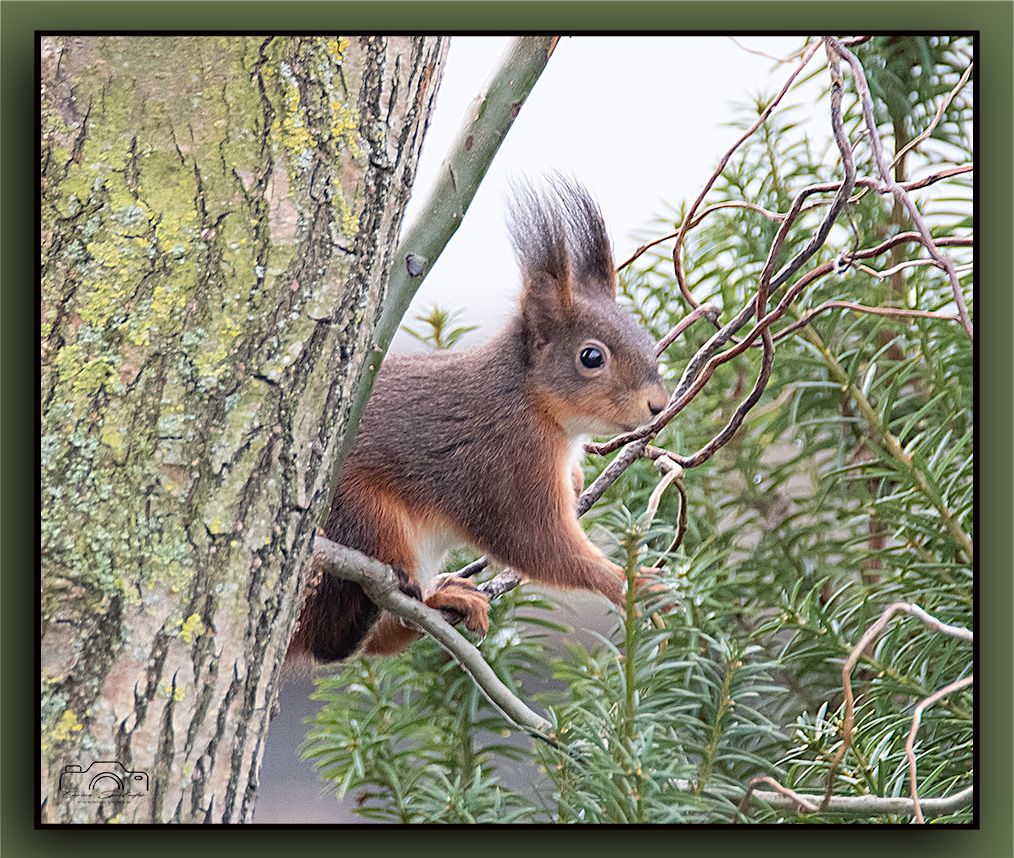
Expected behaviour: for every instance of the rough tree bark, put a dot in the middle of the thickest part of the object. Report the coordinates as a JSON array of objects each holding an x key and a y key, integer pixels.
[{"x": 218, "y": 221}]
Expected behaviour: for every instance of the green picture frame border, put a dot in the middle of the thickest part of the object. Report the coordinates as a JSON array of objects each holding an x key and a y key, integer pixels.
[{"x": 20, "y": 20}]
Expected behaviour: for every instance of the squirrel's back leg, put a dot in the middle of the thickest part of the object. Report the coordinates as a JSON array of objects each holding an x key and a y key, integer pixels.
[
  {"x": 336, "y": 615},
  {"x": 458, "y": 598}
]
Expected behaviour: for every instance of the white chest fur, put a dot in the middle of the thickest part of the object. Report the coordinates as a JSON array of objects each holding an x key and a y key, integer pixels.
[
  {"x": 431, "y": 553},
  {"x": 574, "y": 457}
]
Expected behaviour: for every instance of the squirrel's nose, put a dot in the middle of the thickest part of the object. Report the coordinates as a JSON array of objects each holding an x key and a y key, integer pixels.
[{"x": 655, "y": 409}]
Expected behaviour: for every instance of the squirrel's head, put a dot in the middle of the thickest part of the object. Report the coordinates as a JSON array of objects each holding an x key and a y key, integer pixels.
[{"x": 589, "y": 363}]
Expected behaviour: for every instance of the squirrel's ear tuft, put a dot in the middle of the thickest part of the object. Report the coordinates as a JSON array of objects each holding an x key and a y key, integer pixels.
[
  {"x": 587, "y": 238},
  {"x": 538, "y": 231},
  {"x": 559, "y": 232}
]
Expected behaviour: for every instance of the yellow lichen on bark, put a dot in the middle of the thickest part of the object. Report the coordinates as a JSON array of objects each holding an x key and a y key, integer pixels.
[{"x": 215, "y": 241}]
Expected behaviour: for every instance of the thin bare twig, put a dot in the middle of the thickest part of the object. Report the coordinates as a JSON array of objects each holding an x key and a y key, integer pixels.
[
  {"x": 902, "y": 266},
  {"x": 892, "y": 312},
  {"x": 665, "y": 463},
  {"x": 705, "y": 311},
  {"x": 871, "y": 634},
  {"x": 793, "y": 56},
  {"x": 921, "y": 707},
  {"x": 688, "y": 220},
  {"x": 870, "y": 184},
  {"x": 783, "y": 798},
  {"x": 729, "y": 204},
  {"x": 886, "y": 174},
  {"x": 672, "y": 472},
  {"x": 873, "y": 805},
  {"x": 809, "y": 804},
  {"x": 928, "y": 130},
  {"x": 473, "y": 568}
]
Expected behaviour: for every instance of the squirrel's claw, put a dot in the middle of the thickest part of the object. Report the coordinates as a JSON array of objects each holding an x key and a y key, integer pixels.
[
  {"x": 459, "y": 600},
  {"x": 407, "y": 584}
]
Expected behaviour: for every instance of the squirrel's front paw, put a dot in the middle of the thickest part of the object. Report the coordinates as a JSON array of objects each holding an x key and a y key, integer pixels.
[
  {"x": 407, "y": 584},
  {"x": 459, "y": 599}
]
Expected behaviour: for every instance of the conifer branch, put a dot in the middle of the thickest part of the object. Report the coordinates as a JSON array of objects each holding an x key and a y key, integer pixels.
[{"x": 871, "y": 635}]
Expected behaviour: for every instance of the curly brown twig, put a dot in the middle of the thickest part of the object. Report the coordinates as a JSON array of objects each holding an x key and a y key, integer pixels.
[
  {"x": 702, "y": 365},
  {"x": 902, "y": 266},
  {"x": 871, "y": 634},
  {"x": 886, "y": 174},
  {"x": 921, "y": 707}
]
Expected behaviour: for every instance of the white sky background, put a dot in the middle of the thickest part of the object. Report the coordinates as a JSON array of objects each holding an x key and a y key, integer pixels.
[{"x": 641, "y": 121}]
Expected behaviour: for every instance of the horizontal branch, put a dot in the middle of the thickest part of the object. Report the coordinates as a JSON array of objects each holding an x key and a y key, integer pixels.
[
  {"x": 783, "y": 798},
  {"x": 380, "y": 583}
]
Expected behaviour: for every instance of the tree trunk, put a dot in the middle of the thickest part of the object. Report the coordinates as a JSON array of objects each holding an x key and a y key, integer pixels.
[{"x": 218, "y": 221}]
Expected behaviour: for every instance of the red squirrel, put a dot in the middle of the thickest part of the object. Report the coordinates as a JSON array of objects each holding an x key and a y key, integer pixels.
[{"x": 481, "y": 446}]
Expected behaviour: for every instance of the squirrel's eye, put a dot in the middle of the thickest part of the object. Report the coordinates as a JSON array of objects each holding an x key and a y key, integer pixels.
[{"x": 592, "y": 358}]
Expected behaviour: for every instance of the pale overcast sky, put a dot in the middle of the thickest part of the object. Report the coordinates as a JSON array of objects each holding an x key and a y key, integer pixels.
[{"x": 640, "y": 120}]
